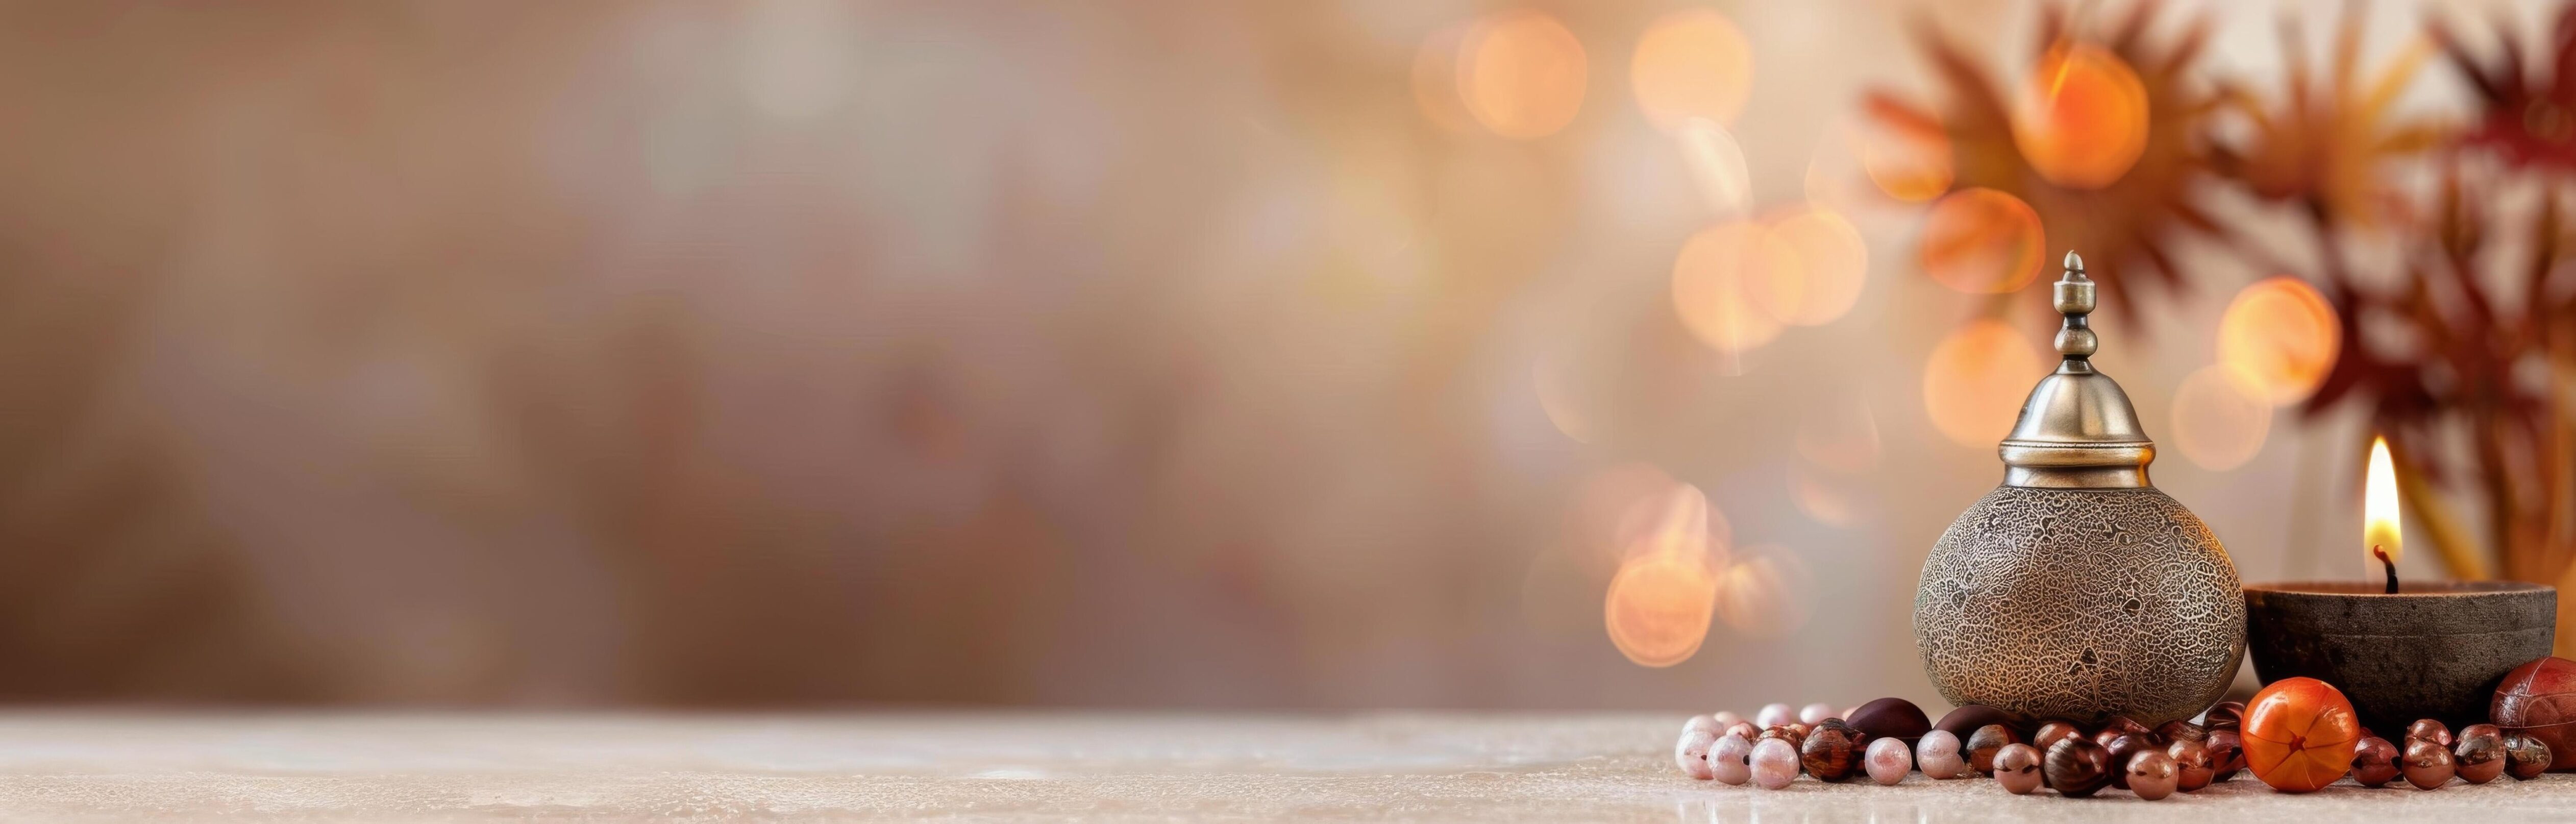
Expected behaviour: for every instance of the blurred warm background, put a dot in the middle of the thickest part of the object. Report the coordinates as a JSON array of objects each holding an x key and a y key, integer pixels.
[{"x": 1176, "y": 354}]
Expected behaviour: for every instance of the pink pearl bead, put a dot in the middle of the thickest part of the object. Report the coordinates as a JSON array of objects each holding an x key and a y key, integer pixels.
[
  {"x": 1731, "y": 759},
  {"x": 1775, "y": 763},
  {"x": 1726, "y": 718},
  {"x": 1815, "y": 713},
  {"x": 2017, "y": 768},
  {"x": 1702, "y": 722},
  {"x": 1938, "y": 755},
  {"x": 1888, "y": 761},
  {"x": 1692, "y": 753},
  {"x": 1774, "y": 715},
  {"x": 2151, "y": 774}
]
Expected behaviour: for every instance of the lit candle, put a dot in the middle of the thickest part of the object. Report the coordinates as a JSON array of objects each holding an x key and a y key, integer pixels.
[{"x": 2379, "y": 533}]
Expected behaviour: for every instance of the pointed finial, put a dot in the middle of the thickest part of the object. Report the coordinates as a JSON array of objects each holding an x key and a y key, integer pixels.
[
  {"x": 2075, "y": 298},
  {"x": 2077, "y": 430}
]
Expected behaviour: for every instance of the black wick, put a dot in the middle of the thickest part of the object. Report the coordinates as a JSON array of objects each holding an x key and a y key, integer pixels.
[{"x": 2386, "y": 564}]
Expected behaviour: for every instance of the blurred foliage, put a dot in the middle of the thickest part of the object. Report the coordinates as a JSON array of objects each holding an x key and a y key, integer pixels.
[{"x": 2127, "y": 228}]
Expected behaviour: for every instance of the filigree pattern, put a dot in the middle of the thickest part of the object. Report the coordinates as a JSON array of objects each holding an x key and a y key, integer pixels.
[{"x": 2080, "y": 604}]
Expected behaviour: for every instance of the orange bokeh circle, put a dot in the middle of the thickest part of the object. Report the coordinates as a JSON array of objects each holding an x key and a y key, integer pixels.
[
  {"x": 1691, "y": 63},
  {"x": 1982, "y": 241},
  {"x": 1731, "y": 280},
  {"x": 2282, "y": 333},
  {"x": 1975, "y": 382},
  {"x": 1764, "y": 592},
  {"x": 1659, "y": 607},
  {"x": 1909, "y": 164},
  {"x": 2081, "y": 117},
  {"x": 1833, "y": 262},
  {"x": 1521, "y": 74},
  {"x": 2220, "y": 417}
]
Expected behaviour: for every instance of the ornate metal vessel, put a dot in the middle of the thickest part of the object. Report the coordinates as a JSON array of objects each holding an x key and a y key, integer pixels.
[{"x": 2076, "y": 589}]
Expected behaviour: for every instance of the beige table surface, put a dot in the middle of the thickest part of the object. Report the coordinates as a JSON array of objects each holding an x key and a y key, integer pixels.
[{"x": 88, "y": 766}]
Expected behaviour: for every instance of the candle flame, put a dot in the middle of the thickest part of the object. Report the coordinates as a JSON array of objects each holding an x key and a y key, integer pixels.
[{"x": 2379, "y": 506}]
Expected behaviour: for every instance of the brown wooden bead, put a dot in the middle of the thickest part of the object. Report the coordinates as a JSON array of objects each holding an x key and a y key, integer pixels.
[
  {"x": 2374, "y": 762},
  {"x": 2429, "y": 730},
  {"x": 2538, "y": 699},
  {"x": 1785, "y": 733},
  {"x": 2192, "y": 769},
  {"x": 2120, "y": 750},
  {"x": 2128, "y": 726},
  {"x": 1964, "y": 721},
  {"x": 2225, "y": 715},
  {"x": 2480, "y": 753},
  {"x": 1860, "y": 740},
  {"x": 1981, "y": 746},
  {"x": 2172, "y": 731},
  {"x": 1891, "y": 718},
  {"x": 2525, "y": 756},
  {"x": 1828, "y": 753},
  {"x": 2049, "y": 733},
  {"x": 2428, "y": 765},
  {"x": 2076, "y": 767},
  {"x": 2226, "y": 754}
]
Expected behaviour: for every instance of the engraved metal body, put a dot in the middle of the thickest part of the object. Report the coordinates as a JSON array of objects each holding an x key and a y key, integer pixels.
[{"x": 2078, "y": 590}]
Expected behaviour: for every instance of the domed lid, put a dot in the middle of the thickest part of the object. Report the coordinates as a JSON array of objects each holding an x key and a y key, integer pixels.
[{"x": 2078, "y": 429}]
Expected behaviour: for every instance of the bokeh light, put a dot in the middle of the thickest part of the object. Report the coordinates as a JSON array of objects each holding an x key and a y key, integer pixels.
[
  {"x": 1435, "y": 80},
  {"x": 1832, "y": 264},
  {"x": 1723, "y": 279},
  {"x": 2220, "y": 417},
  {"x": 1691, "y": 63},
  {"x": 1678, "y": 518},
  {"x": 2081, "y": 117},
  {"x": 1717, "y": 164},
  {"x": 1976, "y": 380},
  {"x": 2282, "y": 334},
  {"x": 1909, "y": 164},
  {"x": 1521, "y": 74},
  {"x": 1982, "y": 241},
  {"x": 1675, "y": 520},
  {"x": 1659, "y": 607},
  {"x": 1765, "y": 593}
]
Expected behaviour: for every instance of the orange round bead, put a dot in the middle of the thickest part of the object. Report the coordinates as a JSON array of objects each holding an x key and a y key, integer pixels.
[{"x": 2300, "y": 734}]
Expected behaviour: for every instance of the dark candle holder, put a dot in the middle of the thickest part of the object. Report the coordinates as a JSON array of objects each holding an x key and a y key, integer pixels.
[{"x": 2432, "y": 650}]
